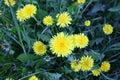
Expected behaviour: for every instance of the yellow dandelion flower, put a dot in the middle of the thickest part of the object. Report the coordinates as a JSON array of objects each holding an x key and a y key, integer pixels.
[
  {"x": 61, "y": 45},
  {"x": 81, "y": 1},
  {"x": 20, "y": 15},
  {"x": 63, "y": 19},
  {"x": 107, "y": 29},
  {"x": 33, "y": 78},
  {"x": 105, "y": 66},
  {"x": 48, "y": 21},
  {"x": 29, "y": 10},
  {"x": 12, "y": 2},
  {"x": 39, "y": 48},
  {"x": 87, "y": 23},
  {"x": 9, "y": 79},
  {"x": 96, "y": 72},
  {"x": 86, "y": 63},
  {"x": 82, "y": 40},
  {"x": 75, "y": 66},
  {"x": 73, "y": 39}
]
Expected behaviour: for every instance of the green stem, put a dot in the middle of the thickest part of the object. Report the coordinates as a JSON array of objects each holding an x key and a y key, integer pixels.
[
  {"x": 17, "y": 27},
  {"x": 1, "y": 2},
  {"x": 86, "y": 7},
  {"x": 27, "y": 38},
  {"x": 29, "y": 75},
  {"x": 61, "y": 5},
  {"x": 94, "y": 19},
  {"x": 77, "y": 14},
  {"x": 35, "y": 19},
  {"x": 38, "y": 22},
  {"x": 9, "y": 35}
]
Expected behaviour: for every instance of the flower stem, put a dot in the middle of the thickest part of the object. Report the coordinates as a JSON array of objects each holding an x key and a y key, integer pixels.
[
  {"x": 29, "y": 75},
  {"x": 86, "y": 7},
  {"x": 17, "y": 27}
]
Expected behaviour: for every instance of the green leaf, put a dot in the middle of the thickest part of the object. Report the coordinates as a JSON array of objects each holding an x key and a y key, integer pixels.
[
  {"x": 71, "y": 9},
  {"x": 114, "y": 9},
  {"x": 96, "y": 66},
  {"x": 41, "y": 13},
  {"x": 44, "y": 37},
  {"x": 96, "y": 56},
  {"x": 26, "y": 57},
  {"x": 53, "y": 76},
  {"x": 113, "y": 46},
  {"x": 96, "y": 41}
]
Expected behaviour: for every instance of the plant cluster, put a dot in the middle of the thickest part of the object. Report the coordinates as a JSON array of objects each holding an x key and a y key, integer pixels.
[{"x": 59, "y": 39}]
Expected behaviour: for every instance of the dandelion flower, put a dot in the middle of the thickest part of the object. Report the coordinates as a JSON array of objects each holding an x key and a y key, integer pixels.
[
  {"x": 82, "y": 40},
  {"x": 73, "y": 39},
  {"x": 96, "y": 72},
  {"x": 87, "y": 23},
  {"x": 29, "y": 10},
  {"x": 48, "y": 21},
  {"x": 107, "y": 29},
  {"x": 39, "y": 48},
  {"x": 12, "y": 2},
  {"x": 20, "y": 15},
  {"x": 105, "y": 66},
  {"x": 75, "y": 66},
  {"x": 26, "y": 12},
  {"x": 86, "y": 63},
  {"x": 61, "y": 45},
  {"x": 33, "y": 78},
  {"x": 63, "y": 19},
  {"x": 81, "y": 1}
]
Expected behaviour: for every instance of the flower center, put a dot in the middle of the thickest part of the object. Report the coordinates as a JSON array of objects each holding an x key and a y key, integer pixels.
[{"x": 63, "y": 19}]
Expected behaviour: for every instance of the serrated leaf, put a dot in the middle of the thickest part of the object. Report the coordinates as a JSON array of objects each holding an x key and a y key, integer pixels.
[{"x": 95, "y": 55}]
